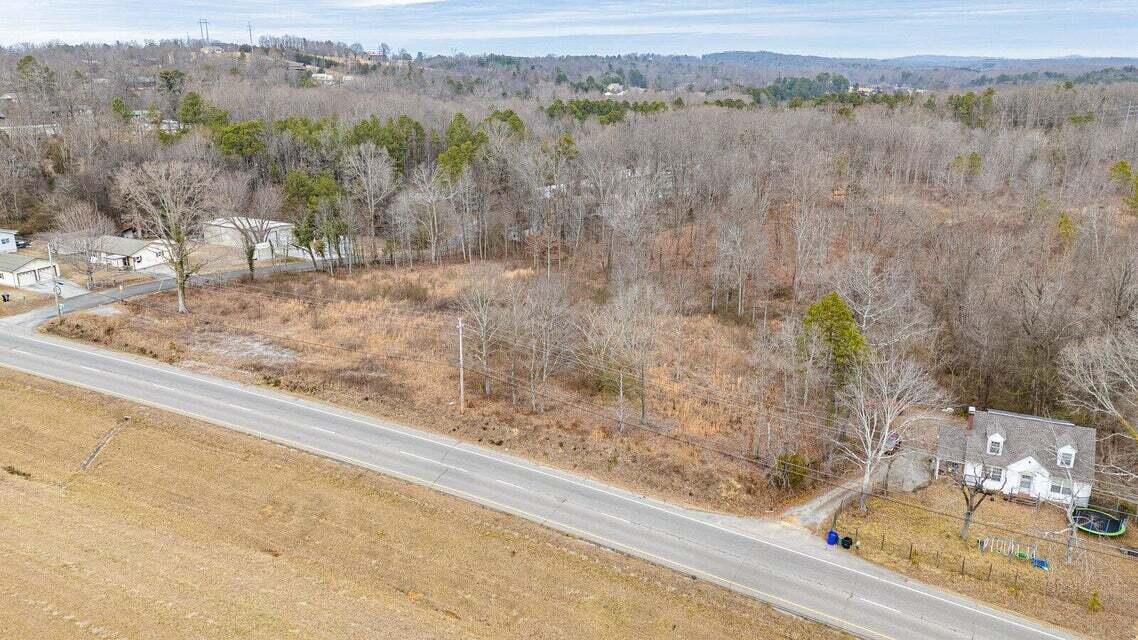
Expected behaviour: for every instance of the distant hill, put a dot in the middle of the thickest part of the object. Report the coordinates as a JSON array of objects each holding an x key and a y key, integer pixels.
[{"x": 935, "y": 71}]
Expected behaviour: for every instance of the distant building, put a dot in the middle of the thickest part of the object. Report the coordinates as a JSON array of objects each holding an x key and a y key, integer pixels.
[
  {"x": 7, "y": 241},
  {"x": 1021, "y": 455},
  {"x": 34, "y": 130},
  {"x": 275, "y": 240},
  {"x": 325, "y": 79},
  {"x": 614, "y": 89}
]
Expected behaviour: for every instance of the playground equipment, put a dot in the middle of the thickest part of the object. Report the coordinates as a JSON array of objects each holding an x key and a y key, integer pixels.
[{"x": 1098, "y": 522}]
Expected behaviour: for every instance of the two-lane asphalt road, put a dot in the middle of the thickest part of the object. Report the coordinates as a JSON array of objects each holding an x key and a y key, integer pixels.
[{"x": 773, "y": 562}]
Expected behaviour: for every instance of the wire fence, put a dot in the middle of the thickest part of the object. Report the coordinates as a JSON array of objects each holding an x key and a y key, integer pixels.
[{"x": 1015, "y": 564}]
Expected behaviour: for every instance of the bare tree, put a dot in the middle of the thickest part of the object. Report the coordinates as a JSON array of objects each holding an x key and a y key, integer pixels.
[
  {"x": 478, "y": 303},
  {"x": 740, "y": 245},
  {"x": 1100, "y": 375},
  {"x": 542, "y": 333},
  {"x": 235, "y": 196},
  {"x": 79, "y": 229},
  {"x": 886, "y": 397},
  {"x": 621, "y": 335},
  {"x": 809, "y": 225},
  {"x": 976, "y": 489},
  {"x": 631, "y": 217},
  {"x": 883, "y": 300},
  {"x": 429, "y": 197},
  {"x": 371, "y": 181},
  {"x": 171, "y": 200}
]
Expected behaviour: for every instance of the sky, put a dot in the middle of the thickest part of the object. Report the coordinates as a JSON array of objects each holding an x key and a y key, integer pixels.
[{"x": 847, "y": 28}]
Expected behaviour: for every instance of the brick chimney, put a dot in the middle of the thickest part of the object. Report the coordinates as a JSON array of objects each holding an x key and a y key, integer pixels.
[{"x": 971, "y": 415}]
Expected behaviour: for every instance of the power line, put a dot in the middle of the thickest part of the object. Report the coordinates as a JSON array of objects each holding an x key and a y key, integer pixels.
[
  {"x": 579, "y": 359},
  {"x": 592, "y": 408}
]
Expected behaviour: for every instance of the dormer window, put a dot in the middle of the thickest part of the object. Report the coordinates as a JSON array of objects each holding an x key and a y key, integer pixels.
[
  {"x": 996, "y": 445},
  {"x": 1066, "y": 458}
]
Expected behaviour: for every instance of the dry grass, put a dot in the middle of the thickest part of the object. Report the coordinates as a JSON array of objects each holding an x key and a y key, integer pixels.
[
  {"x": 1060, "y": 596},
  {"x": 21, "y": 300},
  {"x": 378, "y": 318},
  {"x": 182, "y": 530}
]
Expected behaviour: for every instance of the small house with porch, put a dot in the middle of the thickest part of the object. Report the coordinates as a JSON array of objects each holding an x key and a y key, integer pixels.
[
  {"x": 1022, "y": 456},
  {"x": 128, "y": 254}
]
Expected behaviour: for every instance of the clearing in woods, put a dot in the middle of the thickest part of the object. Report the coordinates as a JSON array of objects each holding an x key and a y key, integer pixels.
[{"x": 179, "y": 529}]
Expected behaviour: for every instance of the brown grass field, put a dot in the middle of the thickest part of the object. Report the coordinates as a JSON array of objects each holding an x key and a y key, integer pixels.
[
  {"x": 21, "y": 300},
  {"x": 1060, "y": 596},
  {"x": 183, "y": 530}
]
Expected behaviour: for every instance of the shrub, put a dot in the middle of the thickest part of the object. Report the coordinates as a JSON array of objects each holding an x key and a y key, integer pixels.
[
  {"x": 408, "y": 291},
  {"x": 17, "y": 472},
  {"x": 789, "y": 471},
  {"x": 1094, "y": 605}
]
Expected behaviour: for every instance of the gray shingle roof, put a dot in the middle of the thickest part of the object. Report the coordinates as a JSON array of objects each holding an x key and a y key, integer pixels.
[
  {"x": 122, "y": 246},
  {"x": 1024, "y": 436},
  {"x": 15, "y": 261}
]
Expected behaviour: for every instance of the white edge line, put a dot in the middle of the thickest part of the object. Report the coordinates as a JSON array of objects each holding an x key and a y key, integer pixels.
[{"x": 407, "y": 432}]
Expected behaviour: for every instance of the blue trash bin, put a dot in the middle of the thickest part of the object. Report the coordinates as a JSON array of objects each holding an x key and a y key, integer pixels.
[{"x": 832, "y": 538}]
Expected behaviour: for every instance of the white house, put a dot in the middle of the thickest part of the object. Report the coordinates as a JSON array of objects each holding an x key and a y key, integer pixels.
[
  {"x": 21, "y": 270},
  {"x": 273, "y": 238},
  {"x": 130, "y": 254},
  {"x": 1021, "y": 455},
  {"x": 7, "y": 241}
]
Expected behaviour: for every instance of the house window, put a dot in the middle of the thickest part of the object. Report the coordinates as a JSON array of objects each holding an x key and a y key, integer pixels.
[
  {"x": 995, "y": 447},
  {"x": 4, "y": 240},
  {"x": 1025, "y": 482},
  {"x": 1066, "y": 459},
  {"x": 1061, "y": 487},
  {"x": 995, "y": 474}
]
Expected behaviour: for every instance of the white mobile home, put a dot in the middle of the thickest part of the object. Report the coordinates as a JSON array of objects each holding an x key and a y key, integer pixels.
[
  {"x": 129, "y": 254},
  {"x": 22, "y": 271}
]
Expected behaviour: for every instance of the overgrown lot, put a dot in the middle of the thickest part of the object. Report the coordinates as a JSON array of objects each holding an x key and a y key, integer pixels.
[{"x": 385, "y": 341}]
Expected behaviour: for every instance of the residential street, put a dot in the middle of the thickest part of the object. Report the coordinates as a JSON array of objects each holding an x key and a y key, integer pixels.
[{"x": 773, "y": 562}]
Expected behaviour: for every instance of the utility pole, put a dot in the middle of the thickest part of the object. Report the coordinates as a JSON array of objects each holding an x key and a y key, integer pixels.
[
  {"x": 203, "y": 27},
  {"x": 55, "y": 283},
  {"x": 461, "y": 372},
  {"x": 250, "y": 25}
]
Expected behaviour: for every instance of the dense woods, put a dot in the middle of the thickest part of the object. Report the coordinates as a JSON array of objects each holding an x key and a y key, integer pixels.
[{"x": 980, "y": 238}]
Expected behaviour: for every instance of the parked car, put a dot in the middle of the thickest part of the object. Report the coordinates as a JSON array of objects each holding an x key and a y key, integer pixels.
[{"x": 22, "y": 243}]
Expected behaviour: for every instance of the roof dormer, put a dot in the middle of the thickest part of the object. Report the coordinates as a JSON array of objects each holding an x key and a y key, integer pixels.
[
  {"x": 995, "y": 445},
  {"x": 1066, "y": 457}
]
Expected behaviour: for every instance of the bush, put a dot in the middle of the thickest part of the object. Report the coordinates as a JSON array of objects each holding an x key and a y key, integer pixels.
[
  {"x": 408, "y": 291},
  {"x": 16, "y": 472},
  {"x": 1094, "y": 605},
  {"x": 789, "y": 471},
  {"x": 1127, "y": 510}
]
